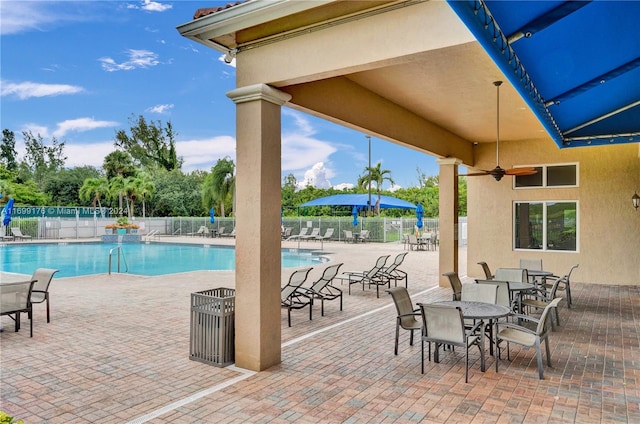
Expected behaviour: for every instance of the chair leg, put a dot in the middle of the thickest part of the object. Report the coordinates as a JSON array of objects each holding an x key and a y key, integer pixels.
[
  {"x": 395, "y": 351},
  {"x": 46, "y": 295},
  {"x": 341, "y": 301},
  {"x": 322, "y": 307},
  {"x": 311, "y": 309},
  {"x": 568, "y": 291},
  {"x": 289, "y": 315},
  {"x": 411, "y": 339},
  {"x": 546, "y": 344},
  {"x": 539, "y": 357},
  {"x": 422, "y": 356}
]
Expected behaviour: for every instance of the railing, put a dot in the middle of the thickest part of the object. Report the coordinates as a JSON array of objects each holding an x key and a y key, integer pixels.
[
  {"x": 120, "y": 254},
  {"x": 381, "y": 230}
]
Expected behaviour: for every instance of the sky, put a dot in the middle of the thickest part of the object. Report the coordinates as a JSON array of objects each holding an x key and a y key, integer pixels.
[{"x": 80, "y": 70}]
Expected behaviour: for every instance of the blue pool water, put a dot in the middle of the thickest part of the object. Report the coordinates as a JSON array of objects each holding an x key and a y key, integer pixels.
[{"x": 75, "y": 259}]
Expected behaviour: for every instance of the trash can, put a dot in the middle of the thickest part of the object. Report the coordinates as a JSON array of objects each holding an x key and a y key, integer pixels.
[{"x": 213, "y": 326}]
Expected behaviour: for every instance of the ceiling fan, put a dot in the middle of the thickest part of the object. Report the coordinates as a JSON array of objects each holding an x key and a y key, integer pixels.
[{"x": 498, "y": 172}]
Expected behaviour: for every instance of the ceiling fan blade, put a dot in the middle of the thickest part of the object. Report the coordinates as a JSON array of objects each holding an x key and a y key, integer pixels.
[
  {"x": 521, "y": 171},
  {"x": 474, "y": 174}
]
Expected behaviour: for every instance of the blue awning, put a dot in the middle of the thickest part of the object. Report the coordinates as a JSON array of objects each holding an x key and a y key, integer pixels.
[
  {"x": 360, "y": 201},
  {"x": 576, "y": 63}
]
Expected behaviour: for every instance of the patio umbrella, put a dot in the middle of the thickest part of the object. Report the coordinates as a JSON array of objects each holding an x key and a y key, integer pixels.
[
  {"x": 211, "y": 214},
  {"x": 419, "y": 212},
  {"x": 6, "y": 212},
  {"x": 354, "y": 211}
]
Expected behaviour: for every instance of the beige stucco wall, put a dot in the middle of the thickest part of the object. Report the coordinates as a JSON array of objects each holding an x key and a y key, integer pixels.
[{"x": 608, "y": 228}]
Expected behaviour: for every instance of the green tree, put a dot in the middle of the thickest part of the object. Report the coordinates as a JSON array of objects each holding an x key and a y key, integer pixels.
[
  {"x": 378, "y": 176},
  {"x": 219, "y": 184},
  {"x": 42, "y": 159},
  {"x": 150, "y": 144},
  {"x": 93, "y": 189},
  {"x": 118, "y": 163},
  {"x": 289, "y": 185},
  {"x": 177, "y": 194},
  {"x": 117, "y": 190},
  {"x": 144, "y": 188},
  {"x": 8, "y": 153},
  {"x": 63, "y": 187}
]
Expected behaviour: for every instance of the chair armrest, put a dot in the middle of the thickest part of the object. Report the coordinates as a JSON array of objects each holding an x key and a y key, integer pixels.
[
  {"x": 516, "y": 327},
  {"x": 525, "y": 317},
  {"x": 408, "y": 315},
  {"x": 477, "y": 326}
]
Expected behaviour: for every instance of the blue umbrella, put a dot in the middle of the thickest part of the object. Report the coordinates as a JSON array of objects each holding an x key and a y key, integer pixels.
[
  {"x": 419, "y": 212},
  {"x": 6, "y": 213},
  {"x": 354, "y": 211},
  {"x": 211, "y": 214}
]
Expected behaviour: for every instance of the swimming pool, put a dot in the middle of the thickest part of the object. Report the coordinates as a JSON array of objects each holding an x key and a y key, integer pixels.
[{"x": 76, "y": 259}]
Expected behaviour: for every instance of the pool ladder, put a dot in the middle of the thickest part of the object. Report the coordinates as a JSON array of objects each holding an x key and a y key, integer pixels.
[{"x": 120, "y": 254}]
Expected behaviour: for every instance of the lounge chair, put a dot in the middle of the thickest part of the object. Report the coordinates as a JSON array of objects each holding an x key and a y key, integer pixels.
[
  {"x": 315, "y": 232},
  {"x": 18, "y": 234},
  {"x": 393, "y": 273},
  {"x": 372, "y": 277},
  {"x": 286, "y": 233},
  {"x": 323, "y": 289},
  {"x": 303, "y": 232},
  {"x": 40, "y": 291},
  {"x": 201, "y": 231},
  {"x": 15, "y": 299},
  {"x": 407, "y": 318},
  {"x": 291, "y": 297},
  {"x": 220, "y": 232},
  {"x": 327, "y": 235},
  {"x": 152, "y": 234}
]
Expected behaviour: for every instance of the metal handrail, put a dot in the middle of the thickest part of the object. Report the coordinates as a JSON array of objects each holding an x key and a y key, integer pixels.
[{"x": 120, "y": 253}]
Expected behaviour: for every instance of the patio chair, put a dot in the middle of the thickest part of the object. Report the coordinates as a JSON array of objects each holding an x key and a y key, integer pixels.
[
  {"x": 487, "y": 271},
  {"x": 503, "y": 296},
  {"x": 516, "y": 275},
  {"x": 539, "y": 300},
  {"x": 40, "y": 290},
  {"x": 15, "y": 298},
  {"x": 413, "y": 242},
  {"x": 393, "y": 273},
  {"x": 456, "y": 284},
  {"x": 323, "y": 289},
  {"x": 564, "y": 284},
  {"x": 303, "y": 231},
  {"x": 327, "y": 235},
  {"x": 444, "y": 325},
  {"x": 17, "y": 234},
  {"x": 513, "y": 333},
  {"x": 407, "y": 318},
  {"x": 315, "y": 232},
  {"x": 221, "y": 232},
  {"x": 293, "y": 298},
  {"x": 487, "y": 293},
  {"x": 372, "y": 277},
  {"x": 348, "y": 236},
  {"x": 365, "y": 236}
]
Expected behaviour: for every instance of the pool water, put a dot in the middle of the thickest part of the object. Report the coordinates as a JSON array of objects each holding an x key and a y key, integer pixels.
[{"x": 76, "y": 259}]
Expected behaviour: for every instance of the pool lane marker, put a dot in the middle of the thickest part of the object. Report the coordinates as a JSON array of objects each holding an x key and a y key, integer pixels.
[{"x": 247, "y": 373}]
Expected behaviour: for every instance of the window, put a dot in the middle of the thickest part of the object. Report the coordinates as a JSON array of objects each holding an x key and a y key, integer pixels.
[
  {"x": 565, "y": 175},
  {"x": 546, "y": 225}
]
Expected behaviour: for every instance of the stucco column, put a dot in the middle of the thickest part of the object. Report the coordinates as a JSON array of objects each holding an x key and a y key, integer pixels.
[
  {"x": 448, "y": 185},
  {"x": 258, "y": 202}
]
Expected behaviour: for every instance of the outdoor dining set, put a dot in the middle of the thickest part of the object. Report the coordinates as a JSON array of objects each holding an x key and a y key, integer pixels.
[{"x": 500, "y": 307}]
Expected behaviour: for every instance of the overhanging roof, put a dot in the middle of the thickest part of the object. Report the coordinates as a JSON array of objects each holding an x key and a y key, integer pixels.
[{"x": 576, "y": 64}]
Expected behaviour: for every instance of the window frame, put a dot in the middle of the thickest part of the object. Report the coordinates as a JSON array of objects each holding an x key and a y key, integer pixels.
[
  {"x": 545, "y": 223},
  {"x": 544, "y": 176}
]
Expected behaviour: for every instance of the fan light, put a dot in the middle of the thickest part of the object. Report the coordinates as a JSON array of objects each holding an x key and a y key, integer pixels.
[{"x": 635, "y": 199}]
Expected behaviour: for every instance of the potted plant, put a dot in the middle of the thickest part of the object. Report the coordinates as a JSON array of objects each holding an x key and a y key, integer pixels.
[{"x": 122, "y": 226}]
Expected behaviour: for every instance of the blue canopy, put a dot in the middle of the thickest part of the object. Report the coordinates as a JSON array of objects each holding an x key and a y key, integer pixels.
[
  {"x": 360, "y": 201},
  {"x": 575, "y": 63}
]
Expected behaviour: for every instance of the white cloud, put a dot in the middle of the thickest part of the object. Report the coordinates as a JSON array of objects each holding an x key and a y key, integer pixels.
[
  {"x": 36, "y": 129},
  {"x": 299, "y": 149},
  {"x": 154, "y": 6},
  {"x": 160, "y": 109},
  {"x": 23, "y": 16},
  {"x": 316, "y": 177},
  {"x": 137, "y": 59},
  {"x": 394, "y": 187},
  {"x": 28, "y": 89},
  {"x": 203, "y": 154},
  {"x": 87, "y": 154},
  {"x": 342, "y": 186},
  {"x": 81, "y": 125}
]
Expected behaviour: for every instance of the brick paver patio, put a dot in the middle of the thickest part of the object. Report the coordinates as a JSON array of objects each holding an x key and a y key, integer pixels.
[{"x": 117, "y": 350}]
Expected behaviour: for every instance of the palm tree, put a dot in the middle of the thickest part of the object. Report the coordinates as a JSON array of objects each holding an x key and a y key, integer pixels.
[
  {"x": 218, "y": 184},
  {"x": 144, "y": 188},
  {"x": 93, "y": 189},
  {"x": 117, "y": 189},
  {"x": 378, "y": 176}
]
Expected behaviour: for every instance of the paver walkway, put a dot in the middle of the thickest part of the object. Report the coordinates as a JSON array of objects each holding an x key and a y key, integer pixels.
[{"x": 117, "y": 347}]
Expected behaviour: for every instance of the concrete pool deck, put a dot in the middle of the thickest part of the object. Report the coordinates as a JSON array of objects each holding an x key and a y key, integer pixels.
[{"x": 117, "y": 351}]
